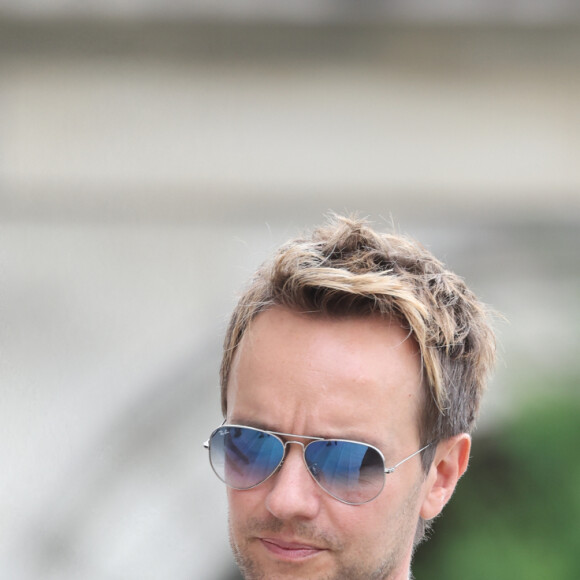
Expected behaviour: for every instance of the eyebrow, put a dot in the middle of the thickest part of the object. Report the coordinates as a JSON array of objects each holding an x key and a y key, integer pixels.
[{"x": 266, "y": 427}]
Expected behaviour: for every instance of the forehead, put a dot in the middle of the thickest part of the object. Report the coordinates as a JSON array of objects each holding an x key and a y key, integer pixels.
[{"x": 310, "y": 374}]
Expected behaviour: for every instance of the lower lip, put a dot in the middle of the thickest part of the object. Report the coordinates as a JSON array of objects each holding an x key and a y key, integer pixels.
[{"x": 290, "y": 554}]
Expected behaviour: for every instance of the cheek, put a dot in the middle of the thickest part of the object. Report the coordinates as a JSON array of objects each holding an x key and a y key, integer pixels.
[
  {"x": 377, "y": 521},
  {"x": 244, "y": 505},
  {"x": 238, "y": 514},
  {"x": 358, "y": 529},
  {"x": 365, "y": 521},
  {"x": 236, "y": 505}
]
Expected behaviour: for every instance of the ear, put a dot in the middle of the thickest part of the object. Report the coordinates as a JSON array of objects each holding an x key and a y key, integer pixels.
[{"x": 448, "y": 466}]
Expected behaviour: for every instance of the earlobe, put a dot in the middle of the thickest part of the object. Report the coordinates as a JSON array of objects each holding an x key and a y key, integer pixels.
[{"x": 448, "y": 466}]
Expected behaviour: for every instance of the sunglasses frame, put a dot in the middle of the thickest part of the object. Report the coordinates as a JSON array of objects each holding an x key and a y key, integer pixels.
[{"x": 278, "y": 435}]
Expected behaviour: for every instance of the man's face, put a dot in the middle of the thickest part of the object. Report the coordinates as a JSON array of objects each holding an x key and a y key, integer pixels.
[{"x": 348, "y": 378}]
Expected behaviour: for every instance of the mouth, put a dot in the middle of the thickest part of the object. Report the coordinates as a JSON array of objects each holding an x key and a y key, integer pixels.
[{"x": 290, "y": 551}]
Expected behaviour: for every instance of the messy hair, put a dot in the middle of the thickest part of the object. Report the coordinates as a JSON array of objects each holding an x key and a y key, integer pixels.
[{"x": 346, "y": 268}]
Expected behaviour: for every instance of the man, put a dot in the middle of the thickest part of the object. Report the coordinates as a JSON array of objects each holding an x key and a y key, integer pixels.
[{"x": 351, "y": 378}]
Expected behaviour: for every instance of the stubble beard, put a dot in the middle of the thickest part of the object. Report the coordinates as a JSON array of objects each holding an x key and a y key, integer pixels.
[{"x": 383, "y": 570}]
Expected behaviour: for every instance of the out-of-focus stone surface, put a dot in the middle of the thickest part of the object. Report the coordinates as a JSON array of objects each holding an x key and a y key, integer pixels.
[{"x": 146, "y": 169}]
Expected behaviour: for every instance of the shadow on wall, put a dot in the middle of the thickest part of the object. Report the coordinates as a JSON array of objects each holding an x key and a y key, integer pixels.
[{"x": 516, "y": 512}]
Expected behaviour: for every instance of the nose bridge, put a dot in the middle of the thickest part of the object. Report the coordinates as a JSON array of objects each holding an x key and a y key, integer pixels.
[{"x": 291, "y": 494}]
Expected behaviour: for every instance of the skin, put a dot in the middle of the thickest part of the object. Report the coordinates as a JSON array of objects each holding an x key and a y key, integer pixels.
[{"x": 349, "y": 378}]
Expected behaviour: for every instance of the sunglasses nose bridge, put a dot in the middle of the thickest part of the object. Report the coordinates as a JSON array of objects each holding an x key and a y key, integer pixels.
[
  {"x": 290, "y": 442},
  {"x": 311, "y": 469}
]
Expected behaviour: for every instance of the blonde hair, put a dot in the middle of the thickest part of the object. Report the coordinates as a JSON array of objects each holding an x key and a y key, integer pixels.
[{"x": 346, "y": 268}]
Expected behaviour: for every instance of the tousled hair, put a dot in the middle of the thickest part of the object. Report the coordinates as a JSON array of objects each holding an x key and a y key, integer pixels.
[{"x": 346, "y": 268}]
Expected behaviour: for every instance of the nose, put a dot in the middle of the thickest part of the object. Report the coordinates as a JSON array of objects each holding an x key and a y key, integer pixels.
[{"x": 293, "y": 492}]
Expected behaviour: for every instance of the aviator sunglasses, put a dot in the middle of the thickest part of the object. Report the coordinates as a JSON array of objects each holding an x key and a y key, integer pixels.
[{"x": 350, "y": 471}]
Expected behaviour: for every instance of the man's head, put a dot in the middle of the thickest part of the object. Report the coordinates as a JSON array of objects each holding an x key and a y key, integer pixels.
[{"x": 352, "y": 334}]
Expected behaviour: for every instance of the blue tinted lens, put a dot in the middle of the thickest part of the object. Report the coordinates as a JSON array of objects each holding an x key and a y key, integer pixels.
[
  {"x": 350, "y": 471},
  {"x": 243, "y": 457}
]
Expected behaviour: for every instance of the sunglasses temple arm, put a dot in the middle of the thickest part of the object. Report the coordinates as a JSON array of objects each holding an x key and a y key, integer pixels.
[{"x": 391, "y": 469}]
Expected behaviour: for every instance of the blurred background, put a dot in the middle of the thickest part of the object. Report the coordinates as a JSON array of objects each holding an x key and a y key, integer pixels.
[{"x": 153, "y": 154}]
